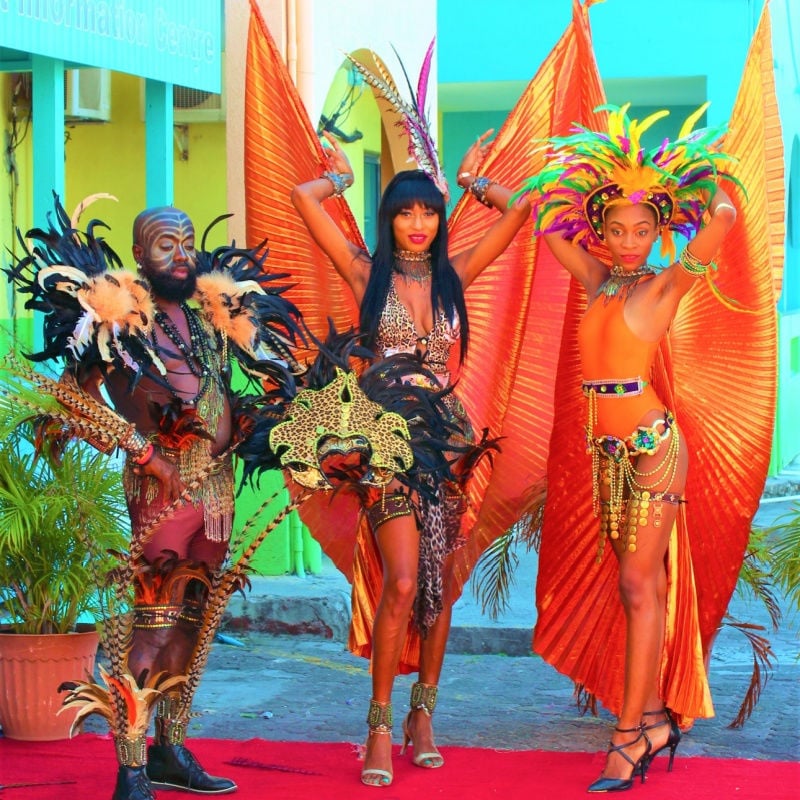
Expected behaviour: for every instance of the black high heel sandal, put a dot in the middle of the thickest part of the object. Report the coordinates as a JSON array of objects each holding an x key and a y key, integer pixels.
[
  {"x": 603, "y": 784},
  {"x": 673, "y": 740}
]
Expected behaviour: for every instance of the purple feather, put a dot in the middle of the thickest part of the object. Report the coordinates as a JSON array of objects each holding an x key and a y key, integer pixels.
[
  {"x": 657, "y": 157},
  {"x": 424, "y": 74}
]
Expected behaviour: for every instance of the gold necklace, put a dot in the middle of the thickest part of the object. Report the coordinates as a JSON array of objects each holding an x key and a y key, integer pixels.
[
  {"x": 621, "y": 282},
  {"x": 413, "y": 266}
]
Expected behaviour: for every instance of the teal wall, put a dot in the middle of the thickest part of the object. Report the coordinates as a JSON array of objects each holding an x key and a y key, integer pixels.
[
  {"x": 641, "y": 38},
  {"x": 787, "y": 441},
  {"x": 508, "y": 42}
]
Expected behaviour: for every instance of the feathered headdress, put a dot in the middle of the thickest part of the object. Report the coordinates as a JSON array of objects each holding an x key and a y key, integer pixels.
[
  {"x": 413, "y": 118},
  {"x": 589, "y": 171}
]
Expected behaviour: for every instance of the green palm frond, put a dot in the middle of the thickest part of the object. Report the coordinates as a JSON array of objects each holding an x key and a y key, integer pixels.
[
  {"x": 757, "y": 576},
  {"x": 493, "y": 576},
  {"x": 785, "y": 545},
  {"x": 61, "y": 512}
]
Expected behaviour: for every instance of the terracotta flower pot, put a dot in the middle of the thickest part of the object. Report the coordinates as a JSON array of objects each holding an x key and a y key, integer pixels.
[{"x": 32, "y": 667}]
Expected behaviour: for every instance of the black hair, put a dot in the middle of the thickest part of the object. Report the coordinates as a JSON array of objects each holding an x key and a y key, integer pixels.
[{"x": 403, "y": 191}]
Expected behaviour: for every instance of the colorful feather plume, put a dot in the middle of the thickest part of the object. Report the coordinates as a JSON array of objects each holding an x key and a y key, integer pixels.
[
  {"x": 93, "y": 309},
  {"x": 241, "y": 299},
  {"x": 179, "y": 427},
  {"x": 116, "y": 306},
  {"x": 413, "y": 116},
  {"x": 588, "y": 171},
  {"x": 164, "y": 580}
]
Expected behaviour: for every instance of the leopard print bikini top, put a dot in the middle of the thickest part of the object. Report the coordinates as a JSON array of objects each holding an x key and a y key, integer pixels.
[{"x": 397, "y": 334}]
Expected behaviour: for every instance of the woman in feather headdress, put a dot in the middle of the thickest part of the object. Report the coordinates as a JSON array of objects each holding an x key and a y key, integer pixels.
[
  {"x": 601, "y": 203},
  {"x": 410, "y": 294}
]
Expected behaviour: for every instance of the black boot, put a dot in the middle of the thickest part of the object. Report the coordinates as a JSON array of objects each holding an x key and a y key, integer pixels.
[
  {"x": 132, "y": 784},
  {"x": 172, "y": 766}
]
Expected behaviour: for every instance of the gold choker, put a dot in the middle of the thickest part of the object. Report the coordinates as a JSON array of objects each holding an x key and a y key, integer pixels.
[
  {"x": 620, "y": 272},
  {"x": 413, "y": 266}
]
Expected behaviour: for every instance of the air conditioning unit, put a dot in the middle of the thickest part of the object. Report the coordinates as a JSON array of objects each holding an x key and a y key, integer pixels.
[
  {"x": 87, "y": 95},
  {"x": 196, "y": 105}
]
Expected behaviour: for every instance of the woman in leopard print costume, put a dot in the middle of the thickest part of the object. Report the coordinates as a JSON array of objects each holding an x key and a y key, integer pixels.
[{"x": 410, "y": 294}]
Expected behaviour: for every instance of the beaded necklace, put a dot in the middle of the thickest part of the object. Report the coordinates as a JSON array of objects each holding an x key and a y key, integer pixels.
[
  {"x": 412, "y": 266},
  {"x": 621, "y": 283},
  {"x": 198, "y": 354}
]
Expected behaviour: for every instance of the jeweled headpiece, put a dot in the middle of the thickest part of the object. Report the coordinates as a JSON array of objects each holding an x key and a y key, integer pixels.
[
  {"x": 413, "y": 118},
  {"x": 589, "y": 171}
]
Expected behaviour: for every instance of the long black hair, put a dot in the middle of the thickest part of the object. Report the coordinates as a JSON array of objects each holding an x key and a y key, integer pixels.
[{"x": 404, "y": 190}]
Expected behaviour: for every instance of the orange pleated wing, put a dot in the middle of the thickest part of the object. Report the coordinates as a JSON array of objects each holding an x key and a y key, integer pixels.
[
  {"x": 516, "y": 307},
  {"x": 282, "y": 149},
  {"x": 724, "y": 363}
]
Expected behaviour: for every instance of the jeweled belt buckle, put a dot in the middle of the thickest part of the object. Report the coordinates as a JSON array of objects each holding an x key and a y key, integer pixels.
[{"x": 612, "y": 447}]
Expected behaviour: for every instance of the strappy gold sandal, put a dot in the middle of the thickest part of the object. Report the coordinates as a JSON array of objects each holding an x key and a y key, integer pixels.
[
  {"x": 379, "y": 721},
  {"x": 423, "y": 698}
]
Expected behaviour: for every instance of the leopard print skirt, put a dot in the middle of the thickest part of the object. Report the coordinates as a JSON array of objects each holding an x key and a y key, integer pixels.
[{"x": 440, "y": 533}]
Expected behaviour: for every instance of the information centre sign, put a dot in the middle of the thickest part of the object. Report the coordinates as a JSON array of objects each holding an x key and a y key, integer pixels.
[{"x": 174, "y": 41}]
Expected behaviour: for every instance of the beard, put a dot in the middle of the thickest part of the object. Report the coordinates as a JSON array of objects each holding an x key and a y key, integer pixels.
[{"x": 175, "y": 290}]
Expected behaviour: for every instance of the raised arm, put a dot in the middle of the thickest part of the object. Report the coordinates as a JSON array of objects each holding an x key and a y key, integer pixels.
[
  {"x": 681, "y": 275},
  {"x": 308, "y": 199},
  {"x": 583, "y": 266},
  {"x": 653, "y": 309},
  {"x": 470, "y": 263}
]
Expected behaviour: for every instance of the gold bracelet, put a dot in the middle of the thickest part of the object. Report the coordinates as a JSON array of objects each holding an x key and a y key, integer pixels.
[{"x": 692, "y": 264}]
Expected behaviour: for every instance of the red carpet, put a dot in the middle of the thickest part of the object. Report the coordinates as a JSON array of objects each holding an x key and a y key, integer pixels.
[{"x": 85, "y": 768}]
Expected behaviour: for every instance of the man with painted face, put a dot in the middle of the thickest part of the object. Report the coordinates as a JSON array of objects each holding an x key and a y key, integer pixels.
[
  {"x": 188, "y": 396},
  {"x": 145, "y": 362}
]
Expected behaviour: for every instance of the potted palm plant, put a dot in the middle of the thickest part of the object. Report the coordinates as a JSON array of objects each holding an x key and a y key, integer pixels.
[{"x": 62, "y": 512}]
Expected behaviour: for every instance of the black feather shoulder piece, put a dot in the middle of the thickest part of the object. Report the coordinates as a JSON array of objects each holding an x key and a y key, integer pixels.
[
  {"x": 94, "y": 311},
  {"x": 356, "y": 423},
  {"x": 242, "y": 300}
]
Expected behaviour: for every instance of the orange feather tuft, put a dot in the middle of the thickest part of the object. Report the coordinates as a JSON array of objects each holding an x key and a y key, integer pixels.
[{"x": 117, "y": 300}]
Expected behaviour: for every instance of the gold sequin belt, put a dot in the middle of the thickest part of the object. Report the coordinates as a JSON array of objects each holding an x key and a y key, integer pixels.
[
  {"x": 214, "y": 467},
  {"x": 645, "y": 439}
]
